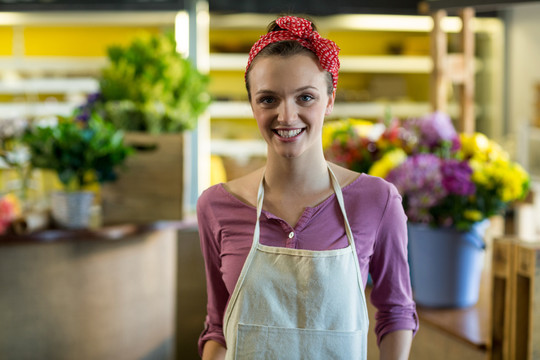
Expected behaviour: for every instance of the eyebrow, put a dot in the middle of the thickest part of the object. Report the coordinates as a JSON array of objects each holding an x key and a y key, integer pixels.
[{"x": 300, "y": 89}]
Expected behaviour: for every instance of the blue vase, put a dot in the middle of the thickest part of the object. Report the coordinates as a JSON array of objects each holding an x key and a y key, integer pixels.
[{"x": 446, "y": 264}]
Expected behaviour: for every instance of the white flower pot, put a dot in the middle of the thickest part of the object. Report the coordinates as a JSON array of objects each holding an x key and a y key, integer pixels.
[{"x": 72, "y": 209}]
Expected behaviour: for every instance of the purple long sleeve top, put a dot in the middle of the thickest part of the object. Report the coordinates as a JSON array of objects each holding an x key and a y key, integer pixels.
[{"x": 378, "y": 223}]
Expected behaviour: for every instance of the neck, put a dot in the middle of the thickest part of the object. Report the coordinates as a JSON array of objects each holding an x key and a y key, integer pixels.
[{"x": 297, "y": 175}]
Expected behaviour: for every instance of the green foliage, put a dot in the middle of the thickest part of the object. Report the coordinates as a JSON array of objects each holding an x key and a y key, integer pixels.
[
  {"x": 79, "y": 152},
  {"x": 148, "y": 86}
]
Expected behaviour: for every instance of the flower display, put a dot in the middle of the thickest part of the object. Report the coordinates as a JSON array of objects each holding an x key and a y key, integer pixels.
[{"x": 445, "y": 178}]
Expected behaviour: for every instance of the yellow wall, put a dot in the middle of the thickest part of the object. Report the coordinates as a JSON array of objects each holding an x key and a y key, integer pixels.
[
  {"x": 77, "y": 41},
  {"x": 6, "y": 40}
]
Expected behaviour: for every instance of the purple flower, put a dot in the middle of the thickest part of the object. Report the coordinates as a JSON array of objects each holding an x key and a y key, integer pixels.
[
  {"x": 419, "y": 181},
  {"x": 430, "y": 133},
  {"x": 436, "y": 128},
  {"x": 457, "y": 177},
  {"x": 93, "y": 98}
]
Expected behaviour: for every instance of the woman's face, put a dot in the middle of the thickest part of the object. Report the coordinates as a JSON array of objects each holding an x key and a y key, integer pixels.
[{"x": 289, "y": 100}]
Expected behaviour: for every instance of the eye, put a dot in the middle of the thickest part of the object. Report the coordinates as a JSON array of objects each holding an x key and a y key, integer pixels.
[
  {"x": 306, "y": 98},
  {"x": 266, "y": 100}
]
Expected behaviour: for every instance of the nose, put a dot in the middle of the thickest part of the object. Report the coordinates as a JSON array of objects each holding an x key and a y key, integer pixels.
[{"x": 287, "y": 112}]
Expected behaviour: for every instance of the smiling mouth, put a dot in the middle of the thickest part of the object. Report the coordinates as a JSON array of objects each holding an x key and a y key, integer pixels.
[{"x": 287, "y": 134}]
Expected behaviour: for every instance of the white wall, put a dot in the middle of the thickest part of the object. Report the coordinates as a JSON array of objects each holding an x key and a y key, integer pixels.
[
  {"x": 523, "y": 28},
  {"x": 523, "y": 46}
]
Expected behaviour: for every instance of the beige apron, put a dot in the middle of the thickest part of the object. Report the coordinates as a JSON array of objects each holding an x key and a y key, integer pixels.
[{"x": 298, "y": 304}]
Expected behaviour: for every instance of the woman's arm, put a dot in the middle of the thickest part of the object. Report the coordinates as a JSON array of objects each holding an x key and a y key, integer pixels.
[
  {"x": 214, "y": 351},
  {"x": 396, "y": 345},
  {"x": 209, "y": 233},
  {"x": 391, "y": 293}
]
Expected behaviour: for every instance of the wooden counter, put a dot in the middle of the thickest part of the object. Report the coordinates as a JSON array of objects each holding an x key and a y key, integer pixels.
[{"x": 108, "y": 293}]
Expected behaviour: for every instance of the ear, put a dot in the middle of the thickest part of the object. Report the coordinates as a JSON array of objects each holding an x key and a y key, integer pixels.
[{"x": 330, "y": 105}]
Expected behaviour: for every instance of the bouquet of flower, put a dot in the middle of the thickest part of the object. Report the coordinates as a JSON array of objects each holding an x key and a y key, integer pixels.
[{"x": 445, "y": 178}]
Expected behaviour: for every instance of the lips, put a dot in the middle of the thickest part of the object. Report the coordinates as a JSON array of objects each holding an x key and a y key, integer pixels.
[{"x": 288, "y": 133}]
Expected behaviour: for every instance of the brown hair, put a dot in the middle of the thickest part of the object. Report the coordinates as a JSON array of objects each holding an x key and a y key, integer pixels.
[{"x": 286, "y": 48}]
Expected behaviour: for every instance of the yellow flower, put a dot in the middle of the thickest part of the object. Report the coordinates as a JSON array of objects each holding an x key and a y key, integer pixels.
[
  {"x": 389, "y": 161},
  {"x": 331, "y": 130},
  {"x": 514, "y": 182},
  {"x": 367, "y": 129},
  {"x": 496, "y": 152},
  {"x": 473, "y": 215},
  {"x": 473, "y": 145}
]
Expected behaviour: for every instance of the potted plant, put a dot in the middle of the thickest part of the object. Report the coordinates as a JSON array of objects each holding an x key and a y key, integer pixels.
[
  {"x": 149, "y": 87},
  {"x": 81, "y": 152},
  {"x": 451, "y": 184},
  {"x": 154, "y": 94}
]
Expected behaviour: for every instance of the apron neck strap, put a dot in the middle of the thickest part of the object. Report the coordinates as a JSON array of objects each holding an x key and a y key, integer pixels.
[{"x": 339, "y": 197}]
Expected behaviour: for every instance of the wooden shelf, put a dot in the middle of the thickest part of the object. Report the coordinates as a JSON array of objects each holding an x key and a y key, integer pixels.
[
  {"x": 371, "y": 64},
  {"x": 242, "y": 110},
  {"x": 50, "y": 86},
  {"x": 26, "y": 109},
  {"x": 352, "y": 22},
  {"x": 61, "y": 64}
]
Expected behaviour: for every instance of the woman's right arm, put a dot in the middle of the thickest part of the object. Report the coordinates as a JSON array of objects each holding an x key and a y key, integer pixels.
[
  {"x": 213, "y": 351},
  {"x": 210, "y": 235}
]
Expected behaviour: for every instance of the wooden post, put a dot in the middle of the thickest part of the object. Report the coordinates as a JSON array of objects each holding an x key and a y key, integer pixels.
[
  {"x": 502, "y": 296},
  {"x": 467, "y": 118},
  {"x": 526, "y": 304},
  {"x": 439, "y": 77}
]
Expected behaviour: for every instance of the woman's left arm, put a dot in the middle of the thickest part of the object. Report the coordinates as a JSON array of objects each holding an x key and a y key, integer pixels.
[
  {"x": 391, "y": 293},
  {"x": 396, "y": 345}
]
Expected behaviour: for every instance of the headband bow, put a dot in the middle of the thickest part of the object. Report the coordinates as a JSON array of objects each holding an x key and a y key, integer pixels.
[{"x": 300, "y": 30}]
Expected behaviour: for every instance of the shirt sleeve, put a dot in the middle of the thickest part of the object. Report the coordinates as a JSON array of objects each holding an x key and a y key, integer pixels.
[
  {"x": 215, "y": 287},
  {"x": 391, "y": 293}
]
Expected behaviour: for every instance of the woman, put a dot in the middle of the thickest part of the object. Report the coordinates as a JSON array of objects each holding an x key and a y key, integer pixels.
[{"x": 288, "y": 247}]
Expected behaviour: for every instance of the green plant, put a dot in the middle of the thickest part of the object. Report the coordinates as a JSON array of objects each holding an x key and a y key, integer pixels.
[
  {"x": 148, "y": 86},
  {"x": 80, "y": 152}
]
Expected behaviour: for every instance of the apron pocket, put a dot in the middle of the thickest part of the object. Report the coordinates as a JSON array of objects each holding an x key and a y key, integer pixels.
[{"x": 256, "y": 342}]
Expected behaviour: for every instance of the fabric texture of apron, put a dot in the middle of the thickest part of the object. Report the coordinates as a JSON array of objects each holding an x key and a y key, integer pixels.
[{"x": 293, "y": 304}]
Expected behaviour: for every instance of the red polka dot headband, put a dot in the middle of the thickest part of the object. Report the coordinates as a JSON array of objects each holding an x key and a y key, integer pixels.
[{"x": 299, "y": 29}]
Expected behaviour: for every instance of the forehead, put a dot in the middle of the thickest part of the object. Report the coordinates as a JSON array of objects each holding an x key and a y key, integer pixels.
[{"x": 289, "y": 71}]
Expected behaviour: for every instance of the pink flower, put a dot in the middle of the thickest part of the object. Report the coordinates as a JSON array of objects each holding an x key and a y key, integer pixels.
[{"x": 9, "y": 211}]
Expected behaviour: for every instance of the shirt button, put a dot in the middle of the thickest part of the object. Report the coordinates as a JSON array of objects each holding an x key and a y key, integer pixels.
[{"x": 291, "y": 234}]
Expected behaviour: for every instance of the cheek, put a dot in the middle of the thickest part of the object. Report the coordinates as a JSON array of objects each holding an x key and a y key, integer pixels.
[{"x": 262, "y": 119}]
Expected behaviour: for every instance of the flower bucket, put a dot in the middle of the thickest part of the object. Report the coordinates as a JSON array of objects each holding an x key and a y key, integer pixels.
[
  {"x": 446, "y": 264},
  {"x": 72, "y": 209}
]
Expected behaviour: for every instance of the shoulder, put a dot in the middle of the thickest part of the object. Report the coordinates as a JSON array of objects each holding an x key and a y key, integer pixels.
[
  {"x": 210, "y": 199},
  {"x": 354, "y": 182},
  {"x": 371, "y": 194},
  {"x": 245, "y": 188},
  {"x": 344, "y": 175}
]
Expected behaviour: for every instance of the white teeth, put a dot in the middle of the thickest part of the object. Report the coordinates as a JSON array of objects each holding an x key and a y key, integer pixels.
[{"x": 288, "y": 133}]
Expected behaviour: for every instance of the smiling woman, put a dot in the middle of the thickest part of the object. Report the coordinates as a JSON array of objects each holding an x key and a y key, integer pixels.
[{"x": 287, "y": 248}]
